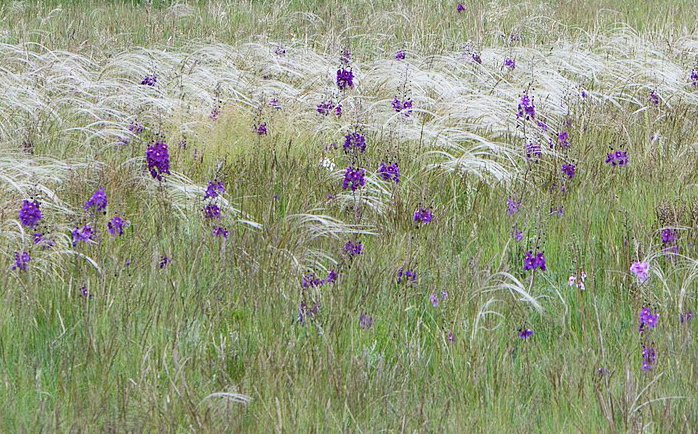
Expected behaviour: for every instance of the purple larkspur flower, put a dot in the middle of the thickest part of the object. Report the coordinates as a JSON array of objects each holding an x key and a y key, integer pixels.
[
  {"x": 325, "y": 107},
  {"x": 21, "y": 261},
  {"x": 533, "y": 150},
  {"x": 653, "y": 98},
  {"x": 517, "y": 235},
  {"x": 669, "y": 236},
  {"x": 402, "y": 106},
  {"x": 164, "y": 261},
  {"x": 214, "y": 189},
  {"x": 525, "y": 333},
  {"x": 353, "y": 248},
  {"x": 526, "y": 108},
  {"x": 423, "y": 216},
  {"x": 345, "y": 57},
  {"x": 338, "y": 110},
  {"x": 513, "y": 206},
  {"x": 365, "y": 322},
  {"x": 355, "y": 142},
  {"x": 275, "y": 104},
  {"x": 400, "y": 55},
  {"x": 569, "y": 170},
  {"x": 460, "y": 8},
  {"x": 617, "y": 159},
  {"x": 331, "y": 278},
  {"x": 98, "y": 201},
  {"x": 43, "y": 242},
  {"x": 406, "y": 276},
  {"x": 84, "y": 292},
  {"x": 280, "y": 50},
  {"x": 509, "y": 63},
  {"x": 434, "y": 300},
  {"x": 304, "y": 312},
  {"x": 116, "y": 226},
  {"x": 158, "y": 160},
  {"x": 212, "y": 211},
  {"x": 310, "y": 280},
  {"x": 542, "y": 125},
  {"x": 136, "y": 128},
  {"x": 475, "y": 57},
  {"x": 30, "y": 213},
  {"x": 533, "y": 261},
  {"x": 261, "y": 129},
  {"x": 220, "y": 232},
  {"x": 694, "y": 77},
  {"x": 563, "y": 139},
  {"x": 354, "y": 178},
  {"x": 649, "y": 358},
  {"x": 648, "y": 320},
  {"x": 450, "y": 337},
  {"x": 389, "y": 172},
  {"x": 641, "y": 271},
  {"x": 150, "y": 80},
  {"x": 345, "y": 79},
  {"x": 686, "y": 317},
  {"x": 84, "y": 234}
]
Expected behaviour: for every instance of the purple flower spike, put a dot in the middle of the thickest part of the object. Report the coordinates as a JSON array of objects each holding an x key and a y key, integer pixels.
[
  {"x": 150, "y": 80},
  {"x": 617, "y": 159},
  {"x": 569, "y": 170},
  {"x": 98, "y": 201},
  {"x": 84, "y": 234},
  {"x": 30, "y": 214},
  {"x": 345, "y": 79},
  {"x": 354, "y": 178},
  {"x": 509, "y": 63},
  {"x": 116, "y": 226},
  {"x": 641, "y": 271},
  {"x": 460, "y": 8},
  {"x": 158, "y": 159},
  {"x": 525, "y": 333},
  {"x": 353, "y": 248},
  {"x": 423, "y": 216},
  {"x": 400, "y": 55},
  {"x": 355, "y": 142},
  {"x": 389, "y": 172},
  {"x": 214, "y": 189},
  {"x": 21, "y": 261}
]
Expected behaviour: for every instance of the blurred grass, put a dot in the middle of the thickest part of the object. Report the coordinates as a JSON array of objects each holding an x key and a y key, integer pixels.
[{"x": 151, "y": 344}]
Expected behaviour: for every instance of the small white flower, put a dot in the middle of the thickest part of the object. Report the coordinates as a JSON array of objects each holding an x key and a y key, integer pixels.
[{"x": 328, "y": 164}]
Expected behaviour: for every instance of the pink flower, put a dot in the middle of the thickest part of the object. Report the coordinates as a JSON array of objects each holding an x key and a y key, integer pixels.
[{"x": 641, "y": 271}]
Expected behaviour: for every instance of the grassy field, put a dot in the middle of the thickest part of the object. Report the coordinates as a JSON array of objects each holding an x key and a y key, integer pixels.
[{"x": 496, "y": 231}]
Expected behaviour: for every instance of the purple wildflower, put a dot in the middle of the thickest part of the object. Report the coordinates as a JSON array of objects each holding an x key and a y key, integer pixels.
[
  {"x": 279, "y": 50},
  {"x": 509, "y": 63},
  {"x": 345, "y": 57},
  {"x": 434, "y": 300},
  {"x": 354, "y": 178},
  {"x": 338, "y": 110},
  {"x": 84, "y": 293},
  {"x": 345, "y": 79},
  {"x": 164, "y": 262},
  {"x": 563, "y": 139},
  {"x": 512, "y": 206},
  {"x": 525, "y": 333},
  {"x": 305, "y": 312},
  {"x": 45, "y": 243},
  {"x": 476, "y": 58},
  {"x": 617, "y": 158},
  {"x": 353, "y": 248},
  {"x": 531, "y": 261},
  {"x": 542, "y": 125},
  {"x": 526, "y": 108},
  {"x": 354, "y": 142},
  {"x": 310, "y": 280},
  {"x": 84, "y": 234},
  {"x": 30, "y": 213},
  {"x": 150, "y": 80},
  {"x": 669, "y": 236},
  {"x": 641, "y": 271},
  {"x": 694, "y": 77},
  {"x": 400, "y": 55},
  {"x": 325, "y": 107},
  {"x": 275, "y": 104},
  {"x": 158, "y": 159},
  {"x": 406, "y": 276},
  {"x": 261, "y": 129},
  {"x": 401, "y": 106},
  {"x": 365, "y": 322},
  {"x": 649, "y": 358},
  {"x": 423, "y": 216},
  {"x": 212, "y": 212},
  {"x": 214, "y": 189},
  {"x": 686, "y": 317},
  {"x": 389, "y": 172},
  {"x": 648, "y": 320},
  {"x": 331, "y": 278},
  {"x": 136, "y": 128},
  {"x": 98, "y": 201},
  {"x": 21, "y": 261},
  {"x": 460, "y": 8},
  {"x": 220, "y": 231},
  {"x": 517, "y": 234},
  {"x": 450, "y": 338},
  {"x": 116, "y": 225},
  {"x": 533, "y": 150},
  {"x": 654, "y": 98},
  {"x": 569, "y": 170}
]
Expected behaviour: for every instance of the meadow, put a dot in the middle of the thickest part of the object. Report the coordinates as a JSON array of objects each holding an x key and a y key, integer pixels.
[{"x": 348, "y": 216}]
